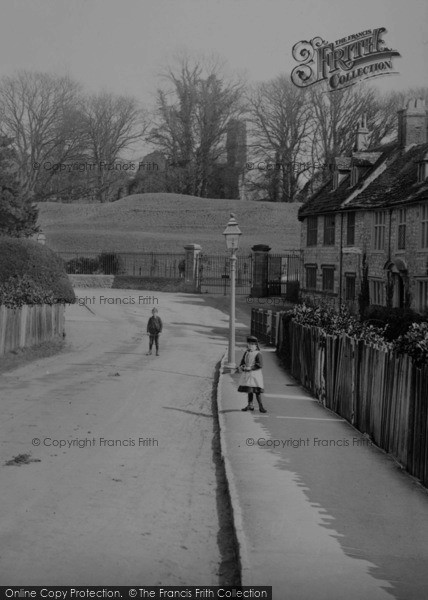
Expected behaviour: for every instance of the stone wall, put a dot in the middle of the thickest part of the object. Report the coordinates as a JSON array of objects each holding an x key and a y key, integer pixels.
[{"x": 159, "y": 284}]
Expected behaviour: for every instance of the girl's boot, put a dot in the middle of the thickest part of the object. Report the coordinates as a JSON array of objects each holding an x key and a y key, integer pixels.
[
  {"x": 250, "y": 403},
  {"x": 261, "y": 407}
]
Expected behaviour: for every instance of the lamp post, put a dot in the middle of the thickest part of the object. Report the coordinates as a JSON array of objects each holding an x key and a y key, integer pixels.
[{"x": 231, "y": 234}]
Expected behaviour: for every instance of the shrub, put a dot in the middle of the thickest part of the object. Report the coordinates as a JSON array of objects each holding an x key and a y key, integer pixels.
[
  {"x": 83, "y": 265},
  {"x": 396, "y": 320},
  {"x": 16, "y": 292},
  {"x": 110, "y": 263},
  {"x": 32, "y": 273},
  {"x": 414, "y": 343},
  {"x": 337, "y": 323}
]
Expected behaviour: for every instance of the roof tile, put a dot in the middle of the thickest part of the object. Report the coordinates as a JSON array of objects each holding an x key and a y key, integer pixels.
[{"x": 396, "y": 184}]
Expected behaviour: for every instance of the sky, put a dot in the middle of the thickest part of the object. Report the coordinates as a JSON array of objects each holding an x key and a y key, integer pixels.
[{"x": 122, "y": 45}]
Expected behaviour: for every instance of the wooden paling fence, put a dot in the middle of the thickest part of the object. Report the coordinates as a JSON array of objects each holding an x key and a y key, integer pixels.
[
  {"x": 381, "y": 393},
  {"x": 265, "y": 324},
  {"x": 29, "y": 325}
]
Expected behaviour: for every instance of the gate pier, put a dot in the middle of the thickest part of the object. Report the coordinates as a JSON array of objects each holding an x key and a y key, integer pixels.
[{"x": 191, "y": 278}]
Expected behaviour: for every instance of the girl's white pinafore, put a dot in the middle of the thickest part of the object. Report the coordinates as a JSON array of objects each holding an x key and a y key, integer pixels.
[{"x": 251, "y": 381}]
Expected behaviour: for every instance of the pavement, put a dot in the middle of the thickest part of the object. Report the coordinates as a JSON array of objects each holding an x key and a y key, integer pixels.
[{"x": 320, "y": 512}]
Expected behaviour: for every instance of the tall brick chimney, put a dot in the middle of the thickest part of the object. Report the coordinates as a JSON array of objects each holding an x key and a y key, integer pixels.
[{"x": 412, "y": 123}]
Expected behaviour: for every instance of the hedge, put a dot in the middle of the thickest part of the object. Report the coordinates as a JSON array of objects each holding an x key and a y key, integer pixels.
[
  {"x": 30, "y": 273},
  {"x": 413, "y": 342}
]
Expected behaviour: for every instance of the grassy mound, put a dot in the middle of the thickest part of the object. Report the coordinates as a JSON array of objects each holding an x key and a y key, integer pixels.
[{"x": 165, "y": 223}]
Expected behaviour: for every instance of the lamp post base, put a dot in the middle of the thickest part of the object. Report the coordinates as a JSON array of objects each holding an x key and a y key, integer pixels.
[{"x": 230, "y": 366}]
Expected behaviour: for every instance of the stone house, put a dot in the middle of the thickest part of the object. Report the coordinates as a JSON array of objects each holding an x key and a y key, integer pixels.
[{"x": 367, "y": 227}]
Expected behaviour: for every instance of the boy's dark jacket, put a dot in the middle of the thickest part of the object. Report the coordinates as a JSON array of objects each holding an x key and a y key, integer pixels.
[{"x": 154, "y": 325}]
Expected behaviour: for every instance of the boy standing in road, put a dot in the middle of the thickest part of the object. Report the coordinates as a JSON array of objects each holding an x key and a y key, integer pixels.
[{"x": 154, "y": 328}]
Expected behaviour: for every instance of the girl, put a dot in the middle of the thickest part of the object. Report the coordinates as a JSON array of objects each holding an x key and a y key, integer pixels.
[{"x": 251, "y": 380}]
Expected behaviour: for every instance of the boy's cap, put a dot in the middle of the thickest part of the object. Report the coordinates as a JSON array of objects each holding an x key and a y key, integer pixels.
[
  {"x": 154, "y": 310},
  {"x": 252, "y": 340}
]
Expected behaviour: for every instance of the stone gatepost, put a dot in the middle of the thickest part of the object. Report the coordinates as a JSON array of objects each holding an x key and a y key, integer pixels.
[
  {"x": 259, "y": 287},
  {"x": 191, "y": 276}
]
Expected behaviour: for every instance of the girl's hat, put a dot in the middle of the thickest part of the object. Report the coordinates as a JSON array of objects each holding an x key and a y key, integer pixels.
[{"x": 252, "y": 340}]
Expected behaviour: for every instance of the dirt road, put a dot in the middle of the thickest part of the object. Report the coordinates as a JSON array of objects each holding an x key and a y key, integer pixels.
[{"x": 120, "y": 488}]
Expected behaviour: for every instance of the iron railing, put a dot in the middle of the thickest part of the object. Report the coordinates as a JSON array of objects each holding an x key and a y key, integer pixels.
[{"x": 138, "y": 264}]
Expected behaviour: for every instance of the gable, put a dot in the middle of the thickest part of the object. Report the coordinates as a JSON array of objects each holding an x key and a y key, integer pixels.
[{"x": 386, "y": 178}]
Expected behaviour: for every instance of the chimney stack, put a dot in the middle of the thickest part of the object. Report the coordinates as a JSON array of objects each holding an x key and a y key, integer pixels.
[
  {"x": 362, "y": 137},
  {"x": 412, "y": 123}
]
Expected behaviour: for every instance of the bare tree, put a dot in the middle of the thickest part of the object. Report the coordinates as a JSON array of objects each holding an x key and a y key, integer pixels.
[
  {"x": 336, "y": 117},
  {"x": 281, "y": 131},
  {"x": 382, "y": 116},
  {"x": 38, "y": 111},
  {"x": 111, "y": 125},
  {"x": 192, "y": 113},
  {"x": 383, "y": 119},
  {"x": 335, "y": 121}
]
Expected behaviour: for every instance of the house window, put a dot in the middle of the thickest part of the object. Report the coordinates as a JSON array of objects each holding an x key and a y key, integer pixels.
[
  {"x": 422, "y": 171},
  {"x": 312, "y": 231},
  {"x": 379, "y": 230},
  {"x": 350, "y": 229},
  {"x": 401, "y": 245},
  {"x": 422, "y": 295},
  {"x": 377, "y": 292},
  {"x": 349, "y": 286},
  {"x": 329, "y": 227},
  {"x": 354, "y": 176},
  {"x": 311, "y": 277},
  {"x": 328, "y": 279},
  {"x": 424, "y": 225}
]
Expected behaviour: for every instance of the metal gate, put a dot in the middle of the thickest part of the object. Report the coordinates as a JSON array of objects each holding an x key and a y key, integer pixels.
[
  {"x": 276, "y": 274},
  {"x": 214, "y": 274},
  {"x": 283, "y": 273}
]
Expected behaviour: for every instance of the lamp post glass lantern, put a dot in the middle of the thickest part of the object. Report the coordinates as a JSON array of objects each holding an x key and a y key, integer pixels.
[{"x": 232, "y": 234}]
